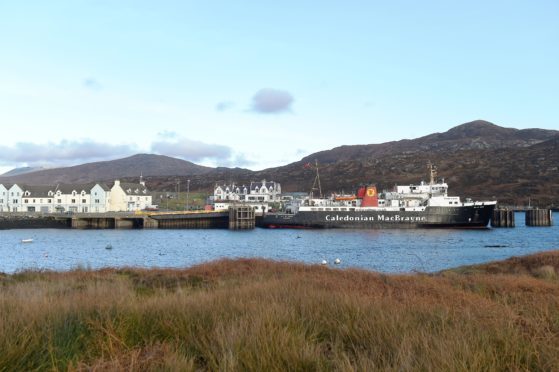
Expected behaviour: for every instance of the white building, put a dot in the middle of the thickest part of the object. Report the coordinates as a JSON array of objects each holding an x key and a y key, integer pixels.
[
  {"x": 129, "y": 197},
  {"x": 100, "y": 198},
  {"x": 258, "y": 195},
  {"x": 90, "y": 198},
  {"x": 257, "y": 192},
  {"x": 3, "y": 198},
  {"x": 13, "y": 200},
  {"x": 38, "y": 199}
]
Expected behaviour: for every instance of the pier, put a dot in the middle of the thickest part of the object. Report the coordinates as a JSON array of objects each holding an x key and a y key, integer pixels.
[
  {"x": 539, "y": 217},
  {"x": 243, "y": 218},
  {"x": 502, "y": 218}
]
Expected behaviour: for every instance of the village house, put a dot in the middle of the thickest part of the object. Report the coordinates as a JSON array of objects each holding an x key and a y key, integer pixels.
[
  {"x": 257, "y": 194},
  {"x": 89, "y": 198},
  {"x": 10, "y": 198}
]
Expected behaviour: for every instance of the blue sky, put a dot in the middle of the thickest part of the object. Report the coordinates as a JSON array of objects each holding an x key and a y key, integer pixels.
[{"x": 260, "y": 84}]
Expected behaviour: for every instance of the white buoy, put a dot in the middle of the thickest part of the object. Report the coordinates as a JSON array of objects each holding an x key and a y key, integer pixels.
[
  {"x": 324, "y": 262},
  {"x": 27, "y": 240},
  {"x": 337, "y": 261}
]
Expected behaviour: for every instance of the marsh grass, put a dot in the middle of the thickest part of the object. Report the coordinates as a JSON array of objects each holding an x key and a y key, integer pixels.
[{"x": 252, "y": 314}]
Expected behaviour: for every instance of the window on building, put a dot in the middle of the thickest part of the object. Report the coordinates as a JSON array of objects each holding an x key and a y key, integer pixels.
[
  {"x": 73, "y": 201},
  {"x": 59, "y": 201},
  {"x": 34, "y": 201},
  {"x": 26, "y": 201},
  {"x": 97, "y": 201},
  {"x": 49, "y": 201},
  {"x": 84, "y": 201}
]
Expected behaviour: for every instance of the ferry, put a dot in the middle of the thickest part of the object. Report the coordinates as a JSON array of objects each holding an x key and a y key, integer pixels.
[{"x": 423, "y": 205}]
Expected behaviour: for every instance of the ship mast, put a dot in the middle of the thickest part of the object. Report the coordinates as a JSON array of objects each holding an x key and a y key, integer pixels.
[
  {"x": 316, "y": 181},
  {"x": 432, "y": 173}
]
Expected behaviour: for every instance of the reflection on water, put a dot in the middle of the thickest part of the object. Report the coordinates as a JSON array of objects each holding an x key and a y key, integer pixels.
[{"x": 379, "y": 250}]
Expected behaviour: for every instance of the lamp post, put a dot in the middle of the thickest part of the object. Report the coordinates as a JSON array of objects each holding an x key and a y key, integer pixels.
[{"x": 187, "y": 192}]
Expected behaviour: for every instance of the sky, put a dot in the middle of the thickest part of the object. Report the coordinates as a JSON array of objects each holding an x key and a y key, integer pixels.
[{"x": 257, "y": 84}]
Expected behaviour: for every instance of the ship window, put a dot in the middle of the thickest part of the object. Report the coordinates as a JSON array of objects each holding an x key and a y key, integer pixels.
[
  {"x": 335, "y": 209},
  {"x": 351, "y": 209},
  {"x": 343, "y": 209},
  {"x": 327, "y": 209},
  {"x": 313, "y": 209},
  {"x": 320, "y": 209}
]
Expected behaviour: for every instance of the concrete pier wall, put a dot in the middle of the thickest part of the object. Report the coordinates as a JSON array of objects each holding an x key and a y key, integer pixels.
[{"x": 219, "y": 220}]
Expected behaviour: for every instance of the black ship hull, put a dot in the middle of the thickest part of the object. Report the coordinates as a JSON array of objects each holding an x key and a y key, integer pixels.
[{"x": 472, "y": 216}]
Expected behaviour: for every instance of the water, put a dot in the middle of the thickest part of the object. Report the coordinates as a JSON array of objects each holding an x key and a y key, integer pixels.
[{"x": 379, "y": 250}]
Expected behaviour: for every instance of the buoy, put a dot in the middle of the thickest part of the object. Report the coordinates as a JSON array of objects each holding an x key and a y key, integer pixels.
[
  {"x": 27, "y": 240},
  {"x": 337, "y": 261},
  {"x": 324, "y": 262}
]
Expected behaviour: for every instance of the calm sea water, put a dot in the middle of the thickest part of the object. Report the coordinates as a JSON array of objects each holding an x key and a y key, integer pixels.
[{"x": 384, "y": 250}]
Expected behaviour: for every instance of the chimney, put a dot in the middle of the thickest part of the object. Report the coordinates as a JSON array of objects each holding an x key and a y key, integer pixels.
[{"x": 117, "y": 183}]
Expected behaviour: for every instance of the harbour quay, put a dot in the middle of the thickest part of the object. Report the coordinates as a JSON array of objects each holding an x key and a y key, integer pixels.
[{"x": 236, "y": 218}]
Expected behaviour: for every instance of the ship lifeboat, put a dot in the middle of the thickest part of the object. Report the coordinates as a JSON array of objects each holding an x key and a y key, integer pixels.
[{"x": 344, "y": 197}]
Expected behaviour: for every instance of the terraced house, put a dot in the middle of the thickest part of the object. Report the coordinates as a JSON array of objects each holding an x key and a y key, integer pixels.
[{"x": 88, "y": 198}]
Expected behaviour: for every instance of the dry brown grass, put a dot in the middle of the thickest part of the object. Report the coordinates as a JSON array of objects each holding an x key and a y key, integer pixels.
[{"x": 254, "y": 314}]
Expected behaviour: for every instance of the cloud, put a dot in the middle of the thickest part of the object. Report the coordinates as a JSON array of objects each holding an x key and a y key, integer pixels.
[
  {"x": 190, "y": 149},
  {"x": 168, "y": 134},
  {"x": 63, "y": 152},
  {"x": 92, "y": 84},
  {"x": 271, "y": 101},
  {"x": 237, "y": 160},
  {"x": 224, "y": 106}
]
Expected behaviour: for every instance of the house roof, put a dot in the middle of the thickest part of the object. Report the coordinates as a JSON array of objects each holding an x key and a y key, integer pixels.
[
  {"x": 133, "y": 188},
  {"x": 103, "y": 185},
  {"x": 37, "y": 191},
  {"x": 258, "y": 185},
  {"x": 67, "y": 189}
]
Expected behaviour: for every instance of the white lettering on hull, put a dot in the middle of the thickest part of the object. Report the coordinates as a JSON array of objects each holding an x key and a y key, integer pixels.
[{"x": 379, "y": 217}]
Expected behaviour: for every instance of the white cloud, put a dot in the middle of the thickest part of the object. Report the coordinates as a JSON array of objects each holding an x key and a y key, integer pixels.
[
  {"x": 191, "y": 150},
  {"x": 92, "y": 84},
  {"x": 63, "y": 152},
  {"x": 271, "y": 101},
  {"x": 224, "y": 106}
]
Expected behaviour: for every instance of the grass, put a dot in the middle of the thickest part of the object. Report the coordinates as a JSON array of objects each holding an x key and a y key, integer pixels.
[
  {"x": 177, "y": 202},
  {"x": 252, "y": 314}
]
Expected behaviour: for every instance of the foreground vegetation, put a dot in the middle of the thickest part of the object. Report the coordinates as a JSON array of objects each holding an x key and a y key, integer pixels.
[{"x": 263, "y": 315}]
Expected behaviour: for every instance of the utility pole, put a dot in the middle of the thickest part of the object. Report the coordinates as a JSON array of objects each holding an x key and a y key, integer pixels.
[
  {"x": 178, "y": 191},
  {"x": 187, "y": 192}
]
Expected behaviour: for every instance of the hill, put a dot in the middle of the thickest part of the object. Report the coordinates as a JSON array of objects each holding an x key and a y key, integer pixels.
[
  {"x": 474, "y": 135},
  {"x": 258, "y": 315},
  {"x": 133, "y": 166},
  {"x": 22, "y": 170},
  {"x": 479, "y": 160}
]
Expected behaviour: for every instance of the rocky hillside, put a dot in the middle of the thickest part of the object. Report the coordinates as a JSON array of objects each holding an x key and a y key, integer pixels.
[
  {"x": 478, "y": 159},
  {"x": 133, "y": 166}
]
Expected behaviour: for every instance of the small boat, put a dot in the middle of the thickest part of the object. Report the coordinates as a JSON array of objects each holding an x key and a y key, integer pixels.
[
  {"x": 108, "y": 246},
  {"x": 27, "y": 240}
]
